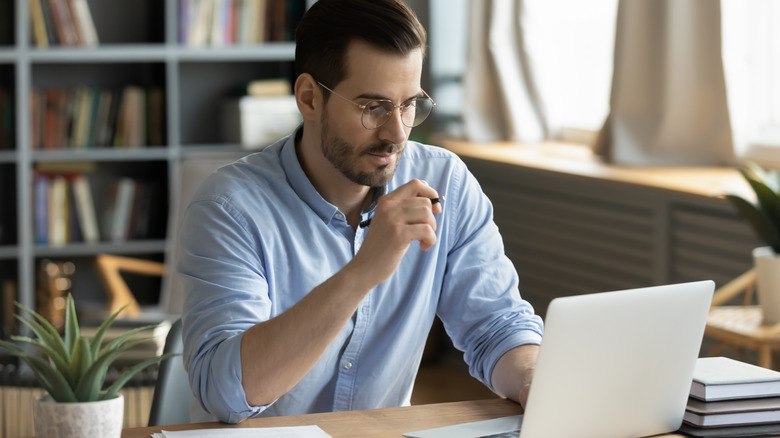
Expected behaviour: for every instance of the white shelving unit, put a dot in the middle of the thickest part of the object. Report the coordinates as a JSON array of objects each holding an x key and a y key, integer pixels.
[{"x": 138, "y": 46}]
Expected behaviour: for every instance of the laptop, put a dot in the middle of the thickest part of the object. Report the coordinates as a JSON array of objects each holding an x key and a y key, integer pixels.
[{"x": 611, "y": 365}]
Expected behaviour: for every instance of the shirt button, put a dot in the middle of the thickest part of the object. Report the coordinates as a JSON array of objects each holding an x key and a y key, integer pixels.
[
  {"x": 347, "y": 365},
  {"x": 340, "y": 216}
]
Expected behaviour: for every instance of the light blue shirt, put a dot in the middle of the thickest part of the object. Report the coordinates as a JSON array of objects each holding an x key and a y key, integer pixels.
[{"x": 258, "y": 237}]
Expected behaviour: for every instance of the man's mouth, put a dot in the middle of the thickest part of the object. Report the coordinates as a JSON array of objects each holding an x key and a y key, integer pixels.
[{"x": 384, "y": 154}]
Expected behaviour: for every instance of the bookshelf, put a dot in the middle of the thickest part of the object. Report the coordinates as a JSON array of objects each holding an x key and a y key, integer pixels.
[{"x": 140, "y": 44}]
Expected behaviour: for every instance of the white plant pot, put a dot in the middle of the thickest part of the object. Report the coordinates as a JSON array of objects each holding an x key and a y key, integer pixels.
[
  {"x": 767, "y": 264},
  {"x": 100, "y": 419}
]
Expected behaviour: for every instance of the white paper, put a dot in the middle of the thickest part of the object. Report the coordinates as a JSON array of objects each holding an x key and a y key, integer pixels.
[{"x": 258, "y": 432}]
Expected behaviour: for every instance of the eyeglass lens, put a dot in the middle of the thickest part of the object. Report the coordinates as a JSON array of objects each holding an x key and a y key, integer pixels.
[{"x": 414, "y": 112}]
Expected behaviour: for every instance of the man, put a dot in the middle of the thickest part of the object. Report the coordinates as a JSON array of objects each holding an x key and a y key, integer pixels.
[{"x": 293, "y": 306}]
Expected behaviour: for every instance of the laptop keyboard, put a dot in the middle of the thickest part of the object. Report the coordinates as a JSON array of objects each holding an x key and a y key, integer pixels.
[{"x": 510, "y": 434}]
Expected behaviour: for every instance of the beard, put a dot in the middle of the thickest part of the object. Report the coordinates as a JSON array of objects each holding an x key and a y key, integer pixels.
[{"x": 346, "y": 158}]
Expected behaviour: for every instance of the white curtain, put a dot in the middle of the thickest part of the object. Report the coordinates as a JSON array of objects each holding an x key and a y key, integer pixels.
[
  {"x": 502, "y": 100},
  {"x": 668, "y": 104},
  {"x": 668, "y": 101}
]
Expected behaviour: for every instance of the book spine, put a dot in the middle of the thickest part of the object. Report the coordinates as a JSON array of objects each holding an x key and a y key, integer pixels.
[
  {"x": 58, "y": 211},
  {"x": 84, "y": 24},
  {"x": 41, "y": 226},
  {"x": 86, "y": 209},
  {"x": 63, "y": 22},
  {"x": 122, "y": 209},
  {"x": 40, "y": 37}
]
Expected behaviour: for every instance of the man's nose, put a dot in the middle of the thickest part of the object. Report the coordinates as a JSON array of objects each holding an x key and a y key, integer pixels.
[{"x": 394, "y": 130}]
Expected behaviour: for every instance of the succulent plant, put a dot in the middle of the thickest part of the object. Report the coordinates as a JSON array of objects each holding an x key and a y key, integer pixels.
[
  {"x": 763, "y": 212},
  {"x": 77, "y": 366}
]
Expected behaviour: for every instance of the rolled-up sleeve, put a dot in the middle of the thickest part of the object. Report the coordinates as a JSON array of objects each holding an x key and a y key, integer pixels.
[
  {"x": 480, "y": 305},
  {"x": 226, "y": 294}
]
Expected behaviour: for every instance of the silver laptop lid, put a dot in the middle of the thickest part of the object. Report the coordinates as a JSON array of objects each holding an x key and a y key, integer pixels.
[{"x": 617, "y": 364}]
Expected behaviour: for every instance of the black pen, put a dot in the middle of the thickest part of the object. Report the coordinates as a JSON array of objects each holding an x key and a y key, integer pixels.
[{"x": 367, "y": 222}]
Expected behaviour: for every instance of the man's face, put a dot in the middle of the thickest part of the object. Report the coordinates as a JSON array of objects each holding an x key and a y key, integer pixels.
[{"x": 369, "y": 157}]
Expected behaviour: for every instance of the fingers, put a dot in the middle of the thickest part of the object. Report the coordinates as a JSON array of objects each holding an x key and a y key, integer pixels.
[
  {"x": 401, "y": 217},
  {"x": 412, "y": 203},
  {"x": 414, "y": 188}
]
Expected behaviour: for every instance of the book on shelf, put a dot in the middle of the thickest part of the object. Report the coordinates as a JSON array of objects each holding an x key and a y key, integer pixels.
[
  {"x": 75, "y": 232},
  {"x": 58, "y": 211},
  {"x": 41, "y": 218},
  {"x": 83, "y": 22},
  {"x": 131, "y": 119},
  {"x": 266, "y": 88},
  {"x": 143, "y": 210},
  {"x": 155, "y": 123},
  {"x": 732, "y": 412},
  {"x": 82, "y": 117},
  {"x": 132, "y": 210},
  {"x": 89, "y": 117},
  {"x": 48, "y": 19},
  {"x": 38, "y": 26},
  {"x": 122, "y": 209},
  {"x": 230, "y": 22},
  {"x": 72, "y": 204},
  {"x": 722, "y": 378},
  {"x": 36, "y": 99},
  {"x": 85, "y": 207},
  {"x": 102, "y": 117},
  {"x": 62, "y": 22}
]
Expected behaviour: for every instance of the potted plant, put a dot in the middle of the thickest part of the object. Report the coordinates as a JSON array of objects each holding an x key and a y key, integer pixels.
[
  {"x": 762, "y": 212},
  {"x": 72, "y": 369}
]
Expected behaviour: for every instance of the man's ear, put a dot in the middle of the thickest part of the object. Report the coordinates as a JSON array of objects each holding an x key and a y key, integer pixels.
[{"x": 308, "y": 96}]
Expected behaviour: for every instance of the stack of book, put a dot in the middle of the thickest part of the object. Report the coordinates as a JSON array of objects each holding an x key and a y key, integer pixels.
[{"x": 730, "y": 398}]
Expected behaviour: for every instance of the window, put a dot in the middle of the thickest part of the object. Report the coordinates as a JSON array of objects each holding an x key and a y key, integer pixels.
[
  {"x": 751, "y": 59},
  {"x": 571, "y": 46}
]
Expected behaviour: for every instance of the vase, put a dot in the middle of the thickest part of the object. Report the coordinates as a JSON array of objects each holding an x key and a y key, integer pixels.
[
  {"x": 98, "y": 419},
  {"x": 767, "y": 264}
]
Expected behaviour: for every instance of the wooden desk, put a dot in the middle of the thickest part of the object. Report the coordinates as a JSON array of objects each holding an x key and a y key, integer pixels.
[{"x": 375, "y": 423}]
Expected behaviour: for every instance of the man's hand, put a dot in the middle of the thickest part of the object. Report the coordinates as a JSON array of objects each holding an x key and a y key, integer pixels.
[
  {"x": 402, "y": 216},
  {"x": 269, "y": 367}
]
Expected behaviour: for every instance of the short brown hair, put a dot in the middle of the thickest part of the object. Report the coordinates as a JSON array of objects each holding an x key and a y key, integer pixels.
[{"x": 327, "y": 28}]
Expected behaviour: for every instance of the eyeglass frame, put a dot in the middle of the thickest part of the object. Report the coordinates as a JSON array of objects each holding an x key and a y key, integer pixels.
[{"x": 400, "y": 107}]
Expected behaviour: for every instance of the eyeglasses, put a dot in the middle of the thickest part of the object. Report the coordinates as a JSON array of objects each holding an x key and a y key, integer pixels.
[{"x": 377, "y": 112}]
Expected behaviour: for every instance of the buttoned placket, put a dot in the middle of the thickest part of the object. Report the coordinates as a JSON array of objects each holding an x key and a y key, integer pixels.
[{"x": 349, "y": 362}]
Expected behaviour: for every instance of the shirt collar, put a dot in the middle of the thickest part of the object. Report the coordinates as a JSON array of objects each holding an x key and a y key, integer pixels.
[{"x": 303, "y": 187}]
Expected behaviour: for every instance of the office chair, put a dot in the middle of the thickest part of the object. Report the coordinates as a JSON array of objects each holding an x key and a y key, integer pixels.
[{"x": 172, "y": 394}]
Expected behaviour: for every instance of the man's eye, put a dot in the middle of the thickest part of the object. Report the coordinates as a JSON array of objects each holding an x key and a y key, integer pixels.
[{"x": 375, "y": 107}]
